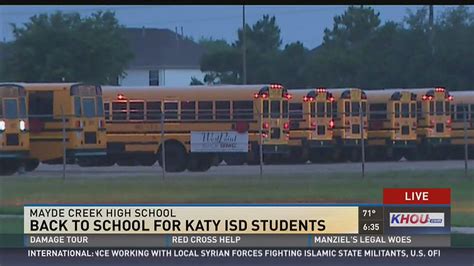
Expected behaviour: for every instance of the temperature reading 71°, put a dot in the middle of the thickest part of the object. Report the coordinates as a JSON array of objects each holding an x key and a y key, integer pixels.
[{"x": 368, "y": 212}]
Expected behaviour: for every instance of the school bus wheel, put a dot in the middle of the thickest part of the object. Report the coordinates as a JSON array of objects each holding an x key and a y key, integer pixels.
[
  {"x": 31, "y": 165},
  {"x": 175, "y": 156},
  {"x": 9, "y": 167},
  {"x": 235, "y": 159},
  {"x": 199, "y": 162}
]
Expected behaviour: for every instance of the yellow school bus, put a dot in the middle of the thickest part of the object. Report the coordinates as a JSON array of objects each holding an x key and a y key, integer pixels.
[
  {"x": 392, "y": 124},
  {"x": 434, "y": 122},
  {"x": 134, "y": 121},
  {"x": 347, "y": 131},
  {"x": 462, "y": 104},
  {"x": 73, "y": 108},
  {"x": 311, "y": 125},
  {"x": 14, "y": 136}
]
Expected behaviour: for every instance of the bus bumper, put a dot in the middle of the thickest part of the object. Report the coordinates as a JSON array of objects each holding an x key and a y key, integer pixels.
[
  {"x": 402, "y": 143},
  {"x": 436, "y": 142},
  {"x": 314, "y": 144},
  {"x": 14, "y": 154},
  {"x": 76, "y": 153},
  {"x": 351, "y": 142},
  {"x": 272, "y": 148}
]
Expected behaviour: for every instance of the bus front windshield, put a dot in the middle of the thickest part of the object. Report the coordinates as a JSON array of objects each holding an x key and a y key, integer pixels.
[
  {"x": 88, "y": 106},
  {"x": 11, "y": 108}
]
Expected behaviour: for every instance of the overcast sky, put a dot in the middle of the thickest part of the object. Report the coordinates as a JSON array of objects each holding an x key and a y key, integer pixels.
[{"x": 297, "y": 23}]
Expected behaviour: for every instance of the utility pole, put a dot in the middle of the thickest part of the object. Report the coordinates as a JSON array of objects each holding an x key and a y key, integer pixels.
[
  {"x": 244, "y": 49},
  {"x": 430, "y": 22}
]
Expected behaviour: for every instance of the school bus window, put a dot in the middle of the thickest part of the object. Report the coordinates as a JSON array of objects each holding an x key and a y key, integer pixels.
[
  {"x": 413, "y": 110},
  {"x": 275, "y": 111},
  {"x": 364, "y": 108},
  {"x": 107, "y": 111},
  {"x": 320, "y": 109},
  {"x": 265, "y": 108},
  {"x": 312, "y": 108},
  {"x": 100, "y": 107},
  {"x": 188, "y": 110},
  {"x": 334, "y": 110},
  {"x": 285, "y": 109},
  {"x": 446, "y": 107},
  {"x": 419, "y": 110},
  {"x": 460, "y": 112},
  {"x": 119, "y": 110},
  {"x": 89, "y": 107},
  {"x": 1, "y": 108},
  {"x": 11, "y": 108},
  {"x": 397, "y": 110},
  {"x": 431, "y": 108},
  {"x": 439, "y": 108},
  {"x": 472, "y": 111},
  {"x": 296, "y": 111},
  {"x": 153, "y": 110},
  {"x": 378, "y": 111},
  {"x": 328, "y": 110},
  {"x": 242, "y": 109},
  {"x": 405, "y": 110},
  {"x": 41, "y": 104},
  {"x": 222, "y": 110},
  {"x": 77, "y": 106},
  {"x": 171, "y": 110},
  {"x": 347, "y": 108},
  {"x": 205, "y": 110},
  {"x": 355, "y": 108},
  {"x": 137, "y": 110}
]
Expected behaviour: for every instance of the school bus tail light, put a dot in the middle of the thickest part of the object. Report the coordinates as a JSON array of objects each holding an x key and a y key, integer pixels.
[
  {"x": 78, "y": 124},
  {"x": 331, "y": 124},
  {"x": 286, "y": 125},
  {"x": 313, "y": 124},
  {"x": 265, "y": 125},
  {"x": 440, "y": 89}
]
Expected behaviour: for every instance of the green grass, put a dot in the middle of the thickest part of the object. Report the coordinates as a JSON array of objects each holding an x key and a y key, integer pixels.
[{"x": 317, "y": 188}]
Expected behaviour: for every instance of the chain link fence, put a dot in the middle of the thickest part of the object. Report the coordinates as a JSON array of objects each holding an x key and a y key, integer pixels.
[{"x": 444, "y": 128}]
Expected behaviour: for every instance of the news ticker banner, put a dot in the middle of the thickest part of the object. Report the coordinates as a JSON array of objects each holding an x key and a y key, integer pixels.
[{"x": 408, "y": 218}]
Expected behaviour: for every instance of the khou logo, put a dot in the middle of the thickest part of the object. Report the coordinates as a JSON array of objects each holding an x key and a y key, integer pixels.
[{"x": 416, "y": 219}]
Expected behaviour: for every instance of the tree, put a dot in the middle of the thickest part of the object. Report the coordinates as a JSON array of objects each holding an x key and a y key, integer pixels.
[
  {"x": 355, "y": 25},
  {"x": 291, "y": 64},
  {"x": 223, "y": 62},
  {"x": 263, "y": 41},
  {"x": 66, "y": 47},
  {"x": 195, "y": 81},
  {"x": 220, "y": 62},
  {"x": 343, "y": 59}
]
